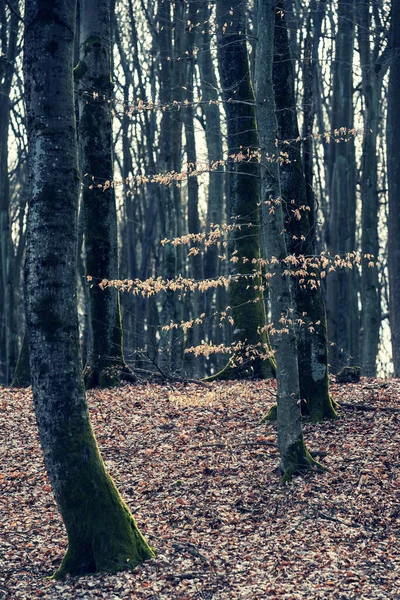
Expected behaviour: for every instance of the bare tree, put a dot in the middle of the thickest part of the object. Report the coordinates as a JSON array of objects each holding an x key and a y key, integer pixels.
[{"x": 102, "y": 534}]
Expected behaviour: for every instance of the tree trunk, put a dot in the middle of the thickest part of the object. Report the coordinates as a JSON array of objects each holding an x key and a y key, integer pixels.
[
  {"x": 8, "y": 323},
  {"x": 342, "y": 303},
  {"x": 22, "y": 373},
  {"x": 244, "y": 194},
  {"x": 371, "y": 87},
  {"x": 312, "y": 335},
  {"x": 393, "y": 166},
  {"x": 293, "y": 453},
  {"x": 102, "y": 534},
  {"x": 93, "y": 77},
  {"x": 193, "y": 218},
  {"x": 215, "y": 199}
]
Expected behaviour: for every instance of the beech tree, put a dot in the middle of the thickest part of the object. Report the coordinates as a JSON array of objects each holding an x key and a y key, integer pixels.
[
  {"x": 8, "y": 264},
  {"x": 393, "y": 178},
  {"x": 342, "y": 302},
  {"x": 300, "y": 228},
  {"x": 102, "y": 534},
  {"x": 294, "y": 456},
  {"x": 244, "y": 184},
  {"x": 94, "y": 81}
]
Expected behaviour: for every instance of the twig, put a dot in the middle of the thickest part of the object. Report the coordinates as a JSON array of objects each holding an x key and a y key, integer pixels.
[
  {"x": 13, "y": 10},
  {"x": 336, "y": 520},
  {"x": 189, "y": 575},
  {"x": 191, "y": 549}
]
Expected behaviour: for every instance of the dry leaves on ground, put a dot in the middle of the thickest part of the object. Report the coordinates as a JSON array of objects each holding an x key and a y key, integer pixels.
[{"x": 200, "y": 476}]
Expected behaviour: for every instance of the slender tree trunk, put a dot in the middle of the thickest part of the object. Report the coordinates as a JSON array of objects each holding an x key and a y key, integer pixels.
[
  {"x": 393, "y": 166},
  {"x": 244, "y": 194},
  {"x": 193, "y": 218},
  {"x": 342, "y": 302},
  {"x": 171, "y": 75},
  {"x": 312, "y": 335},
  {"x": 215, "y": 199},
  {"x": 293, "y": 453},
  {"x": 93, "y": 77},
  {"x": 22, "y": 373},
  {"x": 371, "y": 86},
  {"x": 8, "y": 323},
  {"x": 102, "y": 534}
]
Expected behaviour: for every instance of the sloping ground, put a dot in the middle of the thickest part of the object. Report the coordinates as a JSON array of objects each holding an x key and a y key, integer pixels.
[{"x": 200, "y": 476}]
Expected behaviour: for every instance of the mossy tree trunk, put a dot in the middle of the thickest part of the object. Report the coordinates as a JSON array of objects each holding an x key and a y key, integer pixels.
[
  {"x": 102, "y": 534},
  {"x": 300, "y": 229},
  {"x": 294, "y": 456},
  {"x": 93, "y": 78},
  {"x": 244, "y": 194}
]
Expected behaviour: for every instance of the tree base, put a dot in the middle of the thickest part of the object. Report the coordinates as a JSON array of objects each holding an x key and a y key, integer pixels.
[
  {"x": 271, "y": 415},
  {"x": 103, "y": 536},
  {"x": 108, "y": 376},
  {"x": 121, "y": 556},
  {"x": 22, "y": 374},
  {"x": 297, "y": 461},
  {"x": 320, "y": 410},
  {"x": 316, "y": 414}
]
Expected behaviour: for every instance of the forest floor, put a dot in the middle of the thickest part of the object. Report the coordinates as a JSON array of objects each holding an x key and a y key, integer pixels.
[{"x": 199, "y": 474}]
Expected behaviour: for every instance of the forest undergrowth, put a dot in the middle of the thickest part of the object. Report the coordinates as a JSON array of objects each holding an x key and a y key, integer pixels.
[{"x": 200, "y": 475}]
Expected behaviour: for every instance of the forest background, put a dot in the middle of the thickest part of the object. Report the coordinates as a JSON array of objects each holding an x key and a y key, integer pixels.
[
  {"x": 172, "y": 168},
  {"x": 232, "y": 239}
]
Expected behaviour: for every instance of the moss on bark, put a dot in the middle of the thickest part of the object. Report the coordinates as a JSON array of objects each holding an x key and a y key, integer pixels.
[
  {"x": 298, "y": 460},
  {"x": 272, "y": 415},
  {"x": 102, "y": 533}
]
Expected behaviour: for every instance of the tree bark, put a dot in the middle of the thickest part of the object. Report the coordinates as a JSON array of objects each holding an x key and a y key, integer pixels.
[
  {"x": 342, "y": 302},
  {"x": 102, "y": 534},
  {"x": 244, "y": 193},
  {"x": 393, "y": 178},
  {"x": 93, "y": 77},
  {"x": 8, "y": 321},
  {"x": 193, "y": 217},
  {"x": 372, "y": 76},
  {"x": 294, "y": 456},
  {"x": 215, "y": 199},
  {"x": 299, "y": 223}
]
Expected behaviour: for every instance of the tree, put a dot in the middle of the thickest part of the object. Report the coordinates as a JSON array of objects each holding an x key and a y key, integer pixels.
[
  {"x": 8, "y": 321},
  {"x": 374, "y": 67},
  {"x": 294, "y": 456},
  {"x": 244, "y": 189},
  {"x": 94, "y": 81},
  {"x": 102, "y": 534},
  {"x": 393, "y": 178},
  {"x": 342, "y": 302},
  {"x": 300, "y": 227}
]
